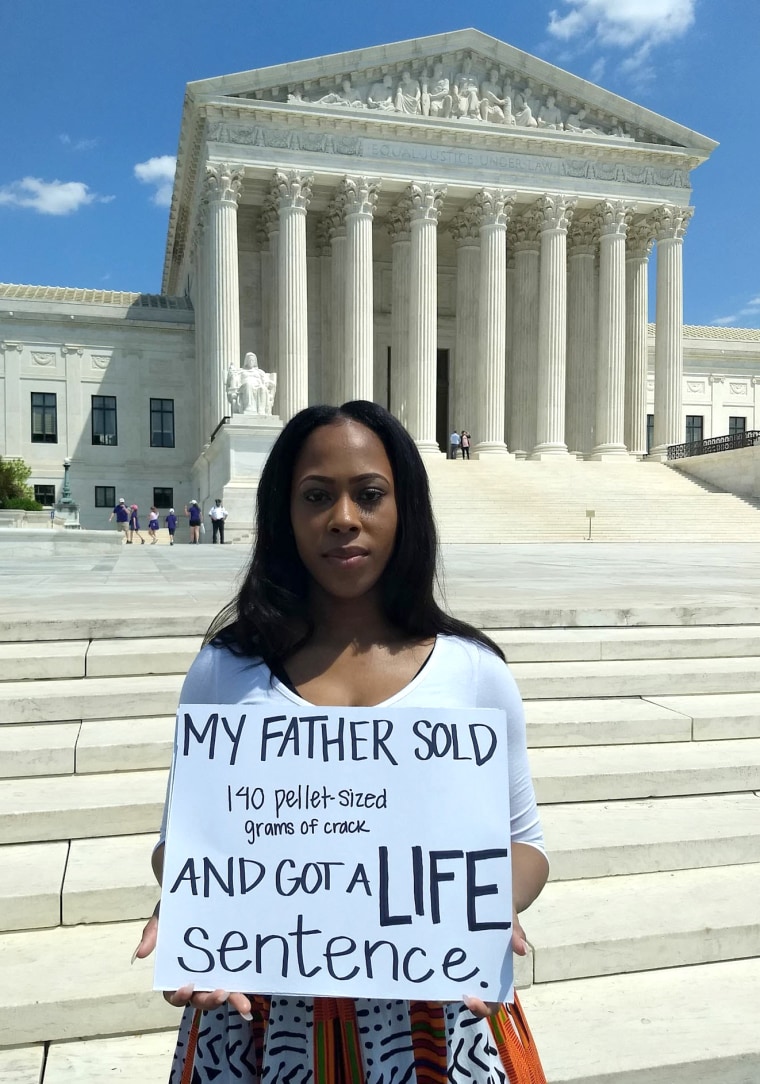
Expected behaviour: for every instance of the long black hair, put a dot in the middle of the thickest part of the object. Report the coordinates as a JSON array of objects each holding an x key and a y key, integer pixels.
[{"x": 269, "y": 617}]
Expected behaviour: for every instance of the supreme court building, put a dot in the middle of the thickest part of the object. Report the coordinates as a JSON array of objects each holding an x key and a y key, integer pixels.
[{"x": 448, "y": 226}]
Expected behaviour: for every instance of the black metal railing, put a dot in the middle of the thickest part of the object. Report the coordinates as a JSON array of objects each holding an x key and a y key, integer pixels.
[
  {"x": 224, "y": 421},
  {"x": 714, "y": 444}
]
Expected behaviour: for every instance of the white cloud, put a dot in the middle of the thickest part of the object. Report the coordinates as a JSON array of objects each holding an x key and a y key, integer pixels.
[
  {"x": 724, "y": 321},
  {"x": 159, "y": 172},
  {"x": 750, "y": 311},
  {"x": 77, "y": 144},
  {"x": 636, "y": 25},
  {"x": 49, "y": 197}
]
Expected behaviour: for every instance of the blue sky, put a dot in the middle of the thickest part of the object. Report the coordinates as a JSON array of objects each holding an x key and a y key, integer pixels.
[{"x": 92, "y": 94}]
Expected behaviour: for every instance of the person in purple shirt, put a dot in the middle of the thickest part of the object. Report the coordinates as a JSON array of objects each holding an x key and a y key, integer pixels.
[
  {"x": 171, "y": 525},
  {"x": 122, "y": 518}
]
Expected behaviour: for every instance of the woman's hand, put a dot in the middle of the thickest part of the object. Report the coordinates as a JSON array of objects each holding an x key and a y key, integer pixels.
[
  {"x": 186, "y": 995},
  {"x": 484, "y": 1009}
]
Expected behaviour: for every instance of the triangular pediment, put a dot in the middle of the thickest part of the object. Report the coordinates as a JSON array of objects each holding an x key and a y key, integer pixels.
[{"x": 464, "y": 77}]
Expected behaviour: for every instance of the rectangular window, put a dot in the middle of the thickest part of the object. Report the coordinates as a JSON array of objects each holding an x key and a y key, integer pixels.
[
  {"x": 44, "y": 418},
  {"x": 104, "y": 419},
  {"x": 737, "y": 426},
  {"x": 161, "y": 423},
  {"x": 44, "y": 495},
  {"x": 650, "y": 432},
  {"x": 694, "y": 427},
  {"x": 105, "y": 496},
  {"x": 163, "y": 497}
]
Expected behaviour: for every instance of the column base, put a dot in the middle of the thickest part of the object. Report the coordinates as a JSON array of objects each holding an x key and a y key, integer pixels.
[
  {"x": 428, "y": 448},
  {"x": 659, "y": 454},
  {"x": 490, "y": 447},
  {"x": 549, "y": 451},
  {"x": 607, "y": 453}
]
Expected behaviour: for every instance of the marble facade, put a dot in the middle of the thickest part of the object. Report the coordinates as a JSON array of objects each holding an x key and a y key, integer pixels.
[
  {"x": 367, "y": 189},
  {"x": 449, "y": 226}
]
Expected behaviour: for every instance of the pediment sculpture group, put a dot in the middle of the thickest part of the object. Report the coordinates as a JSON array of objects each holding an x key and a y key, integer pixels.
[
  {"x": 249, "y": 389},
  {"x": 464, "y": 95}
]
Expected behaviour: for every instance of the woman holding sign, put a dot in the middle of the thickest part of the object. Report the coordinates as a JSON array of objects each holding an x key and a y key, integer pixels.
[{"x": 337, "y": 608}]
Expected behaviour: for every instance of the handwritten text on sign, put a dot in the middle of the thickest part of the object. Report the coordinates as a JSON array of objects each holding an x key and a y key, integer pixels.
[{"x": 345, "y": 852}]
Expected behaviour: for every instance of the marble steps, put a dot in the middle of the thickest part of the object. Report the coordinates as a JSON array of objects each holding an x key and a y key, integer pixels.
[
  {"x": 97, "y": 658},
  {"x": 680, "y": 1025},
  {"x": 128, "y": 1059},
  {"x": 597, "y": 644},
  {"x": 80, "y": 699},
  {"x": 109, "y": 879}
]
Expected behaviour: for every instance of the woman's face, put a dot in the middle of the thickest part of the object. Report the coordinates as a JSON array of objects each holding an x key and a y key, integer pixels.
[{"x": 343, "y": 509}]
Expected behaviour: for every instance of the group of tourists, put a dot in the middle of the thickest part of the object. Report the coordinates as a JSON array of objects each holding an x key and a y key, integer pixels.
[
  {"x": 128, "y": 522},
  {"x": 459, "y": 440}
]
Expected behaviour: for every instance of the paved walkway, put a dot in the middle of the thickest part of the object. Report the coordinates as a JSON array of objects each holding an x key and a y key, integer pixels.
[{"x": 495, "y": 586}]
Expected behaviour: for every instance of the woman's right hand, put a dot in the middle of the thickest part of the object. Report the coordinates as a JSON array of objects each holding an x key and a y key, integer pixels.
[{"x": 186, "y": 995}]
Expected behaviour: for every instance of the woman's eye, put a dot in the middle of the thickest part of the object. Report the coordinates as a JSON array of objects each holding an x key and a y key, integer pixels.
[
  {"x": 315, "y": 496},
  {"x": 370, "y": 496}
]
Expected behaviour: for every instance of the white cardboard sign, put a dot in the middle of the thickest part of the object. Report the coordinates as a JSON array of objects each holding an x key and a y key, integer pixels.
[{"x": 338, "y": 852}]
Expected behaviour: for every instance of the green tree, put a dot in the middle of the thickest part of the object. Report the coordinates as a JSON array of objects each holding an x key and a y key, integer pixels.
[{"x": 14, "y": 489}]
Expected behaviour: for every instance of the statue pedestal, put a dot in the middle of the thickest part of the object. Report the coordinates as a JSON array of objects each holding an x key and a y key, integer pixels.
[{"x": 230, "y": 467}]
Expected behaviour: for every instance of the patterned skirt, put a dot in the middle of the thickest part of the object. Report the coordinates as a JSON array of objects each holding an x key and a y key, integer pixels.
[{"x": 295, "y": 1040}]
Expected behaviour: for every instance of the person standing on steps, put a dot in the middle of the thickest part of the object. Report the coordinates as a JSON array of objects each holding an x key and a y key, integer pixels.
[
  {"x": 171, "y": 525},
  {"x": 218, "y": 515},
  {"x": 153, "y": 525},
  {"x": 193, "y": 513},
  {"x": 337, "y": 606},
  {"x": 122, "y": 518},
  {"x": 464, "y": 440},
  {"x": 454, "y": 441},
  {"x": 134, "y": 525}
]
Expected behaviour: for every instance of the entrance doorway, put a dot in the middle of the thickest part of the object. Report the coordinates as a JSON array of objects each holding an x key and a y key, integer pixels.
[{"x": 442, "y": 400}]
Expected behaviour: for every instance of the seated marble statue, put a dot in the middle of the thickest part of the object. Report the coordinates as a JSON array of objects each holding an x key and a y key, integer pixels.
[
  {"x": 408, "y": 95},
  {"x": 436, "y": 96},
  {"x": 549, "y": 115},
  {"x": 255, "y": 393},
  {"x": 493, "y": 101},
  {"x": 523, "y": 113},
  {"x": 381, "y": 95},
  {"x": 466, "y": 96}
]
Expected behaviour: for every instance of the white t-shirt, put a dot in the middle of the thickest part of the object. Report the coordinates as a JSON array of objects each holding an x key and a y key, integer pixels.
[{"x": 458, "y": 674}]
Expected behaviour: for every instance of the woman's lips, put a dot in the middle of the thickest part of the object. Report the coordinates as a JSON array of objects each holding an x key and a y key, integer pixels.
[{"x": 347, "y": 556}]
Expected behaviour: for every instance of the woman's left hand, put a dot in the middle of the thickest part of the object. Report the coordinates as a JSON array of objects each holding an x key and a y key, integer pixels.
[{"x": 520, "y": 948}]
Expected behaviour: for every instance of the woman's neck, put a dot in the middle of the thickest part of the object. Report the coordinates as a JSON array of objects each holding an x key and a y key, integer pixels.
[{"x": 345, "y": 622}]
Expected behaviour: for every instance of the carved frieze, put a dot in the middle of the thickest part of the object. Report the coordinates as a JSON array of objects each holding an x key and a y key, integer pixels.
[
  {"x": 462, "y": 156},
  {"x": 456, "y": 88},
  {"x": 696, "y": 387},
  {"x": 43, "y": 357},
  {"x": 737, "y": 388},
  {"x": 100, "y": 361}
]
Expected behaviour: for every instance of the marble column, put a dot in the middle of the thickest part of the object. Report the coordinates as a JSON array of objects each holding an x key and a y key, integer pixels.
[
  {"x": 670, "y": 225},
  {"x": 610, "y": 374},
  {"x": 510, "y": 343},
  {"x": 325, "y": 309},
  {"x": 15, "y": 440},
  {"x": 526, "y": 231},
  {"x": 426, "y": 200},
  {"x": 465, "y": 229},
  {"x": 556, "y": 216},
  {"x": 293, "y": 192},
  {"x": 399, "y": 228},
  {"x": 338, "y": 391},
  {"x": 360, "y": 195},
  {"x": 582, "y": 322},
  {"x": 198, "y": 293},
  {"x": 493, "y": 207},
  {"x": 638, "y": 247},
  {"x": 269, "y": 236},
  {"x": 222, "y": 188}
]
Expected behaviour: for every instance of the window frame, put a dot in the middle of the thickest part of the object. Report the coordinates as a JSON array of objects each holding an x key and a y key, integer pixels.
[
  {"x": 105, "y": 503},
  {"x": 44, "y": 410},
  {"x": 157, "y": 500},
  {"x": 733, "y": 430},
  {"x": 99, "y": 439},
  {"x": 168, "y": 439},
  {"x": 691, "y": 425},
  {"x": 37, "y": 486}
]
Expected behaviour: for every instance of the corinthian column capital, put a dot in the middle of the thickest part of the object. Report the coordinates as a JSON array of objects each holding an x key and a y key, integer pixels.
[
  {"x": 360, "y": 194},
  {"x": 465, "y": 226},
  {"x": 525, "y": 229},
  {"x": 223, "y": 183},
  {"x": 583, "y": 234},
  {"x": 613, "y": 217},
  {"x": 493, "y": 206},
  {"x": 426, "y": 201},
  {"x": 292, "y": 189},
  {"x": 397, "y": 220},
  {"x": 671, "y": 223},
  {"x": 556, "y": 212},
  {"x": 640, "y": 239}
]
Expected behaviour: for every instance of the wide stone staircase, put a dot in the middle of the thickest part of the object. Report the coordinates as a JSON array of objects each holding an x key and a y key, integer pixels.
[
  {"x": 500, "y": 499},
  {"x": 646, "y": 758}
]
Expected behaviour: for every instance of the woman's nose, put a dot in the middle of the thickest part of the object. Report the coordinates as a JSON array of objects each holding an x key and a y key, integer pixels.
[{"x": 344, "y": 516}]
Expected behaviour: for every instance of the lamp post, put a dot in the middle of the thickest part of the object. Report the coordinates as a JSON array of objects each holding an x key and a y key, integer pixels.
[
  {"x": 66, "y": 489},
  {"x": 66, "y": 508}
]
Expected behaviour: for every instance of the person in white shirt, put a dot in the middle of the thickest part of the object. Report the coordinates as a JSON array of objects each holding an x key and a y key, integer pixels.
[{"x": 218, "y": 515}]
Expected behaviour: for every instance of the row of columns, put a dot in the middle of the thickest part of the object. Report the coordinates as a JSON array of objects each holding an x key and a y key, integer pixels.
[{"x": 551, "y": 343}]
